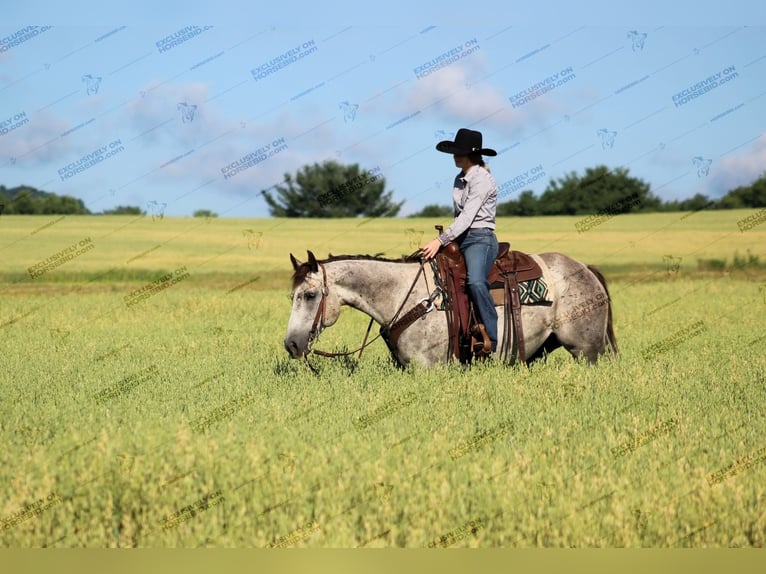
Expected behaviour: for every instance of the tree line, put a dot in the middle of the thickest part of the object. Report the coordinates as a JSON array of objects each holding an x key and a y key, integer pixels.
[
  {"x": 26, "y": 200},
  {"x": 604, "y": 190},
  {"x": 334, "y": 190}
]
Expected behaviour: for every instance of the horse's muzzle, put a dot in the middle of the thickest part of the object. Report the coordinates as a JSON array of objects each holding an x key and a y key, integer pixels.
[{"x": 292, "y": 348}]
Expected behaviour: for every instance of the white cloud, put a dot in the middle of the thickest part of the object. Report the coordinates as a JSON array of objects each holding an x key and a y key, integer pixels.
[
  {"x": 455, "y": 94},
  {"x": 38, "y": 141},
  {"x": 739, "y": 170},
  {"x": 460, "y": 96},
  {"x": 238, "y": 139}
]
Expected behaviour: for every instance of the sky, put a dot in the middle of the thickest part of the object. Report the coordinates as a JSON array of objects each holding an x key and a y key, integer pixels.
[{"x": 177, "y": 107}]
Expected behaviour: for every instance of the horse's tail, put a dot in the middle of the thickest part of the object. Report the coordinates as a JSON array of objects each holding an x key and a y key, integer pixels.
[{"x": 611, "y": 339}]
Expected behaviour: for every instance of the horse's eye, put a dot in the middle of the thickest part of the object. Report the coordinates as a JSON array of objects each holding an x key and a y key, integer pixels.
[{"x": 310, "y": 295}]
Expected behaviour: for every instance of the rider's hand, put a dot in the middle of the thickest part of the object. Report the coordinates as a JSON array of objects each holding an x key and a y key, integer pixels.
[{"x": 431, "y": 248}]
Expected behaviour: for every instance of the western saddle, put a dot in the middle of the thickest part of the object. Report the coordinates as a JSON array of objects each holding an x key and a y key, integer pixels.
[{"x": 468, "y": 337}]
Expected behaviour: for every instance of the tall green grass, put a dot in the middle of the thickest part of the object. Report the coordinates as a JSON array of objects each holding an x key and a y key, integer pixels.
[{"x": 129, "y": 415}]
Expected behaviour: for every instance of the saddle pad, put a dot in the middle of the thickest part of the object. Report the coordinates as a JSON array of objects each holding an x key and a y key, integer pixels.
[{"x": 531, "y": 292}]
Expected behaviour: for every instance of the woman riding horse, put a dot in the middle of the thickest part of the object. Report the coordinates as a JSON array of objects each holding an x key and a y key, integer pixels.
[{"x": 474, "y": 197}]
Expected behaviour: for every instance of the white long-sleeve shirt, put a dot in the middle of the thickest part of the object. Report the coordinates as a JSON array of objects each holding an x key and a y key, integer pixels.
[{"x": 474, "y": 198}]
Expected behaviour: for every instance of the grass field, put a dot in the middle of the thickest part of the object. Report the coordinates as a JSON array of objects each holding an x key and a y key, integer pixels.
[{"x": 178, "y": 420}]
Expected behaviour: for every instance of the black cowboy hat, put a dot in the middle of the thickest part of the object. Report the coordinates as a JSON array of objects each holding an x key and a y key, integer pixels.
[{"x": 466, "y": 141}]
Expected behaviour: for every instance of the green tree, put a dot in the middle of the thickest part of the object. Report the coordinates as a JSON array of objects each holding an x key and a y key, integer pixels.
[
  {"x": 62, "y": 204},
  {"x": 124, "y": 210},
  {"x": 753, "y": 195},
  {"x": 526, "y": 205},
  {"x": 204, "y": 213},
  {"x": 22, "y": 202},
  {"x": 26, "y": 200},
  {"x": 699, "y": 201},
  {"x": 332, "y": 190},
  {"x": 600, "y": 189},
  {"x": 434, "y": 210}
]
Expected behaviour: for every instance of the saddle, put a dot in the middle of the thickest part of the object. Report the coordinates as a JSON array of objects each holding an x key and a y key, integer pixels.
[{"x": 468, "y": 337}]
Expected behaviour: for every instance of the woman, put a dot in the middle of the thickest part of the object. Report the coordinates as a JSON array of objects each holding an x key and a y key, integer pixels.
[{"x": 475, "y": 200}]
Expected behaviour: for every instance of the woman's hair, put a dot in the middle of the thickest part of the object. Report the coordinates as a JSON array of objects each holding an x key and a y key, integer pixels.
[{"x": 476, "y": 158}]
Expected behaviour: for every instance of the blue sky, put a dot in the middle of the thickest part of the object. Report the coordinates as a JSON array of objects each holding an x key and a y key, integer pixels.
[{"x": 154, "y": 105}]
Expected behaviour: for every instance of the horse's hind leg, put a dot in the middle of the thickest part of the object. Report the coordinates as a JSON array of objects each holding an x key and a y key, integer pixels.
[
  {"x": 589, "y": 352},
  {"x": 551, "y": 343},
  {"x": 588, "y": 344}
]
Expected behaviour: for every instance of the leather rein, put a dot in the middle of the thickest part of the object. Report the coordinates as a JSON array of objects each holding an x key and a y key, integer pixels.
[{"x": 423, "y": 306}]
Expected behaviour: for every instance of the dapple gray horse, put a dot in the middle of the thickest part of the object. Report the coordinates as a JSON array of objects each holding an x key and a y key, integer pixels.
[{"x": 579, "y": 317}]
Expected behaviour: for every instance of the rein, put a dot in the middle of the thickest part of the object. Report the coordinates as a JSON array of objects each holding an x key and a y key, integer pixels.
[{"x": 319, "y": 319}]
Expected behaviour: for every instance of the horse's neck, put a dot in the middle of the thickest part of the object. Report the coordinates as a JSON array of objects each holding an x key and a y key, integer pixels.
[{"x": 377, "y": 288}]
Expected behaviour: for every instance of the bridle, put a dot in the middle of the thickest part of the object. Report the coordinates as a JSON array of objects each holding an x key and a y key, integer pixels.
[
  {"x": 319, "y": 319},
  {"x": 317, "y": 326}
]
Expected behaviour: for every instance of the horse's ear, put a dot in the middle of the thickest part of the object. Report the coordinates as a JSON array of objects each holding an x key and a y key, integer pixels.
[
  {"x": 295, "y": 262},
  {"x": 313, "y": 262}
]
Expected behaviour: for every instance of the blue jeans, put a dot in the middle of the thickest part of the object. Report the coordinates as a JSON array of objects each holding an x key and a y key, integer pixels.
[{"x": 479, "y": 247}]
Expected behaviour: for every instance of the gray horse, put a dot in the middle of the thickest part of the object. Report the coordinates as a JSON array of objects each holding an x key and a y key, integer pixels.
[{"x": 579, "y": 317}]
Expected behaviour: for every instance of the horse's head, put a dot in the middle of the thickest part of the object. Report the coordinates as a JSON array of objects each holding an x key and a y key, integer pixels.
[{"x": 315, "y": 306}]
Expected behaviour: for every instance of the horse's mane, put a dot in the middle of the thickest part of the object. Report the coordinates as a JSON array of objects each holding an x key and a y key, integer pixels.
[{"x": 304, "y": 269}]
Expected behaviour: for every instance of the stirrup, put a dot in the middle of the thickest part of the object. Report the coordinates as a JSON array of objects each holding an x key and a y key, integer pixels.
[{"x": 481, "y": 346}]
